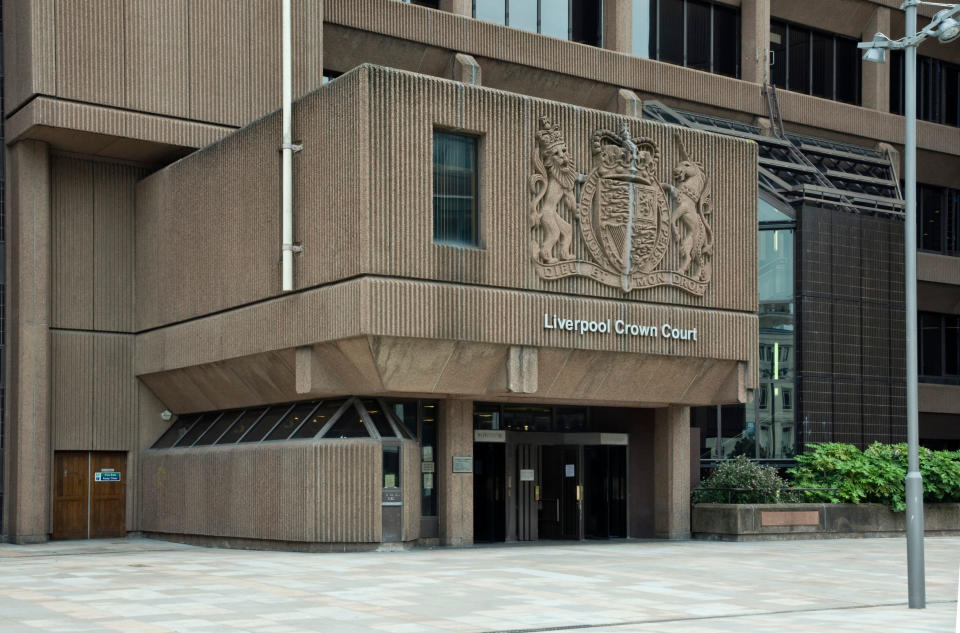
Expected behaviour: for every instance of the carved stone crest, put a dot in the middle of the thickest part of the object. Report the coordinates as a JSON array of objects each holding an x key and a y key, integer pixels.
[{"x": 625, "y": 215}]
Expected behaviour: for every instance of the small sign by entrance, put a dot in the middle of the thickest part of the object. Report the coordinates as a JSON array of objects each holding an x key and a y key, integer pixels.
[
  {"x": 569, "y": 470},
  {"x": 427, "y": 467},
  {"x": 463, "y": 464},
  {"x": 484, "y": 435},
  {"x": 106, "y": 475},
  {"x": 527, "y": 474}
]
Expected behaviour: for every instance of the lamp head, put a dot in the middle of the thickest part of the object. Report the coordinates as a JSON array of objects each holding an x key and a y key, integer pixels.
[
  {"x": 949, "y": 30},
  {"x": 875, "y": 55}
]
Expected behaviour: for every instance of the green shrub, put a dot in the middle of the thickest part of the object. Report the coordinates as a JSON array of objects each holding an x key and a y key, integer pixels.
[
  {"x": 875, "y": 474},
  {"x": 762, "y": 484}
]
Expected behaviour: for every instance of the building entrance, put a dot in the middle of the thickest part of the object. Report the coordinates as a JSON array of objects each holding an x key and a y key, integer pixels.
[{"x": 554, "y": 486}]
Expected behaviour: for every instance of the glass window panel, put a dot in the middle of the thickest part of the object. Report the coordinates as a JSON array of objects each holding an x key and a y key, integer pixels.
[
  {"x": 951, "y": 224},
  {"x": 379, "y": 418},
  {"x": 318, "y": 419},
  {"x": 522, "y": 14},
  {"x": 216, "y": 430},
  {"x": 951, "y": 346},
  {"x": 705, "y": 418},
  {"x": 490, "y": 10},
  {"x": 698, "y": 35},
  {"x": 486, "y": 416},
  {"x": 202, "y": 424},
  {"x": 931, "y": 342},
  {"x": 291, "y": 421},
  {"x": 821, "y": 67},
  {"x": 265, "y": 424},
  {"x": 848, "y": 71},
  {"x": 778, "y": 49},
  {"x": 776, "y": 432},
  {"x": 766, "y": 212},
  {"x": 775, "y": 265},
  {"x": 428, "y": 454},
  {"x": 455, "y": 207},
  {"x": 640, "y": 27},
  {"x": 571, "y": 419},
  {"x": 407, "y": 412},
  {"x": 896, "y": 81},
  {"x": 585, "y": 22},
  {"x": 670, "y": 31},
  {"x": 391, "y": 466},
  {"x": 555, "y": 18},
  {"x": 176, "y": 431},
  {"x": 951, "y": 92},
  {"x": 726, "y": 41},
  {"x": 931, "y": 216},
  {"x": 241, "y": 426},
  {"x": 518, "y": 417},
  {"x": 798, "y": 41},
  {"x": 737, "y": 430},
  {"x": 350, "y": 424}
]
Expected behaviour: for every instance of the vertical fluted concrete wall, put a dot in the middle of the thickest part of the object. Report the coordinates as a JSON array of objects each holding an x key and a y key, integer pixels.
[
  {"x": 327, "y": 491},
  {"x": 410, "y": 481},
  {"x": 216, "y": 62}
]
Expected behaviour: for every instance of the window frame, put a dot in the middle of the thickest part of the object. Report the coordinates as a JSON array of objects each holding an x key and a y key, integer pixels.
[{"x": 477, "y": 242}]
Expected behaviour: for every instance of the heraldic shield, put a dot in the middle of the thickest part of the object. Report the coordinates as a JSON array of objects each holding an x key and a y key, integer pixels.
[{"x": 623, "y": 211}]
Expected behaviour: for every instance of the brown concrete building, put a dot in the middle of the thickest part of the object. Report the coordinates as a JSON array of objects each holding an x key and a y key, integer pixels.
[{"x": 529, "y": 287}]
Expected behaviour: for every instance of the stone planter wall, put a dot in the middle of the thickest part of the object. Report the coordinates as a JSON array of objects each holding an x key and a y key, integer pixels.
[{"x": 752, "y": 522}]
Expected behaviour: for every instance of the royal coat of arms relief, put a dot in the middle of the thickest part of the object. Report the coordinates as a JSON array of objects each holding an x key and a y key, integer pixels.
[{"x": 639, "y": 232}]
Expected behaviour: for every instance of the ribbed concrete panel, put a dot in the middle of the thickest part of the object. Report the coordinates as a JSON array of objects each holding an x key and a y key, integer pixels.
[
  {"x": 114, "y": 393},
  {"x": 90, "y": 51},
  {"x": 219, "y": 62},
  {"x": 348, "y": 490},
  {"x": 113, "y": 246},
  {"x": 156, "y": 69},
  {"x": 96, "y": 130},
  {"x": 71, "y": 388},
  {"x": 93, "y": 391},
  {"x": 72, "y": 242}
]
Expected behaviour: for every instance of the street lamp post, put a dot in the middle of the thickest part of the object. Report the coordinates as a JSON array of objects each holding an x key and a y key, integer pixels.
[{"x": 945, "y": 27}]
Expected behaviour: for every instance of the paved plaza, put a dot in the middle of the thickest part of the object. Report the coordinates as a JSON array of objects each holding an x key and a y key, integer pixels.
[{"x": 134, "y": 585}]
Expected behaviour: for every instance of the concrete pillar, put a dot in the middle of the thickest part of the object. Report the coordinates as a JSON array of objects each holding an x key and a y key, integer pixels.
[
  {"x": 455, "y": 505},
  {"x": 465, "y": 69},
  {"x": 618, "y": 26},
  {"x": 671, "y": 473},
  {"x": 27, "y": 447},
  {"x": 754, "y": 40},
  {"x": 460, "y": 7},
  {"x": 875, "y": 78}
]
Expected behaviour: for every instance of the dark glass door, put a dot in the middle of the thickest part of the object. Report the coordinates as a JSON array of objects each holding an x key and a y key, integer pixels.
[
  {"x": 605, "y": 491},
  {"x": 559, "y": 503},
  {"x": 489, "y": 495}
]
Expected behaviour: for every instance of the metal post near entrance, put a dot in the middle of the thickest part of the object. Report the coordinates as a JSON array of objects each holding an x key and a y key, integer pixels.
[{"x": 945, "y": 27}]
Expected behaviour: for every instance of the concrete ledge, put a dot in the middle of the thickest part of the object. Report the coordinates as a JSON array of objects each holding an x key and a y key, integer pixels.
[
  {"x": 753, "y": 522},
  {"x": 262, "y": 544}
]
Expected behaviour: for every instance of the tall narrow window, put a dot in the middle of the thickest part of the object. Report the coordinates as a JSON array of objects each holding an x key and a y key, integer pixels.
[{"x": 456, "y": 208}]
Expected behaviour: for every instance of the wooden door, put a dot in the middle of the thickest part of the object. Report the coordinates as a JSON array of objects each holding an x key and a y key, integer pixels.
[
  {"x": 89, "y": 499},
  {"x": 108, "y": 497},
  {"x": 70, "y": 499}
]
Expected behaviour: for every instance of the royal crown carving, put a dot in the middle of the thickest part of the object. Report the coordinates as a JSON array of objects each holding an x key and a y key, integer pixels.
[{"x": 639, "y": 232}]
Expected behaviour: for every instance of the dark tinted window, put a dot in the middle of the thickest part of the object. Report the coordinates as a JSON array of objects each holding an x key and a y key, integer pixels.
[
  {"x": 379, "y": 418},
  {"x": 584, "y": 22},
  {"x": 455, "y": 200},
  {"x": 291, "y": 421},
  {"x": 814, "y": 62},
  {"x": 241, "y": 426},
  {"x": 696, "y": 34},
  {"x": 177, "y": 431},
  {"x": 348, "y": 425},
  {"x": 931, "y": 344},
  {"x": 726, "y": 41},
  {"x": 798, "y": 60},
  {"x": 848, "y": 71},
  {"x": 821, "y": 66},
  {"x": 938, "y": 93},
  {"x": 778, "y": 50},
  {"x": 318, "y": 419},
  {"x": 670, "y": 32},
  {"x": 214, "y": 432},
  {"x": 202, "y": 424},
  {"x": 931, "y": 215},
  {"x": 265, "y": 424}
]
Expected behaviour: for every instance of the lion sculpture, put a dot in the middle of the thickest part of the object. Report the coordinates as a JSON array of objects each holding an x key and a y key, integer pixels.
[
  {"x": 691, "y": 231},
  {"x": 552, "y": 185}
]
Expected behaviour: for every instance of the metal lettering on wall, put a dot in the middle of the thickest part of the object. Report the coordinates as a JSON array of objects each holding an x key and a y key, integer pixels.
[{"x": 627, "y": 218}]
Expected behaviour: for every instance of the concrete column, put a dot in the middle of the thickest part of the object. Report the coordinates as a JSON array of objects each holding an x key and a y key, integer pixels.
[
  {"x": 671, "y": 473},
  {"x": 27, "y": 447},
  {"x": 455, "y": 439},
  {"x": 466, "y": 69},
  {"x": 875, "y": 80},
  {"x": 754, "y": 40},
  {"x": 618, "y": 25},
  {"x": 460, "y": 7}
]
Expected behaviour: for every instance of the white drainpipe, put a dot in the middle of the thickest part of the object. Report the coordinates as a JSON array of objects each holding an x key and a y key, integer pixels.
[{"x": 288, "y": 148}]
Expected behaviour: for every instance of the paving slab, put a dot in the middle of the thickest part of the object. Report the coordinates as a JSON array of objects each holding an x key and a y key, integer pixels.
[{"x": 155, "y": 586}]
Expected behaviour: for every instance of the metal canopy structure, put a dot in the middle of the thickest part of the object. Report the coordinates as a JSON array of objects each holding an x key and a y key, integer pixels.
[{"x": 796, "y": 168}]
